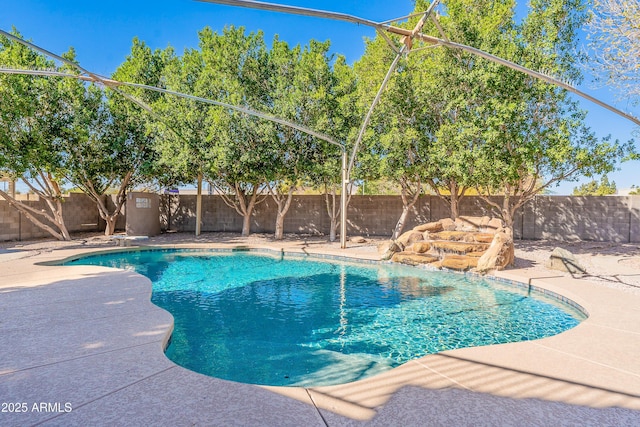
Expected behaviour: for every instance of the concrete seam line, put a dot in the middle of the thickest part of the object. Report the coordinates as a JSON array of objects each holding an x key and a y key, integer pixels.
[
  {"x": 316, "y": 406},
  {"x": 108, "y": 394}
]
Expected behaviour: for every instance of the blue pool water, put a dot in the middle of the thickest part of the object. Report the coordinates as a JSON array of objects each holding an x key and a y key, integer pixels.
[{"x": 266, "y": 319}]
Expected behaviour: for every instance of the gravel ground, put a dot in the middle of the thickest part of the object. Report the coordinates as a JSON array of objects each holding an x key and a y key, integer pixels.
[
  {"x": 607, "y": 264},
  {"x": 614, "y": 265}
]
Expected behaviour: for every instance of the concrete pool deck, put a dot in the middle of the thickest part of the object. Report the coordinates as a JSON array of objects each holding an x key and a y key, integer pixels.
[{"x": 83, "y": 345}]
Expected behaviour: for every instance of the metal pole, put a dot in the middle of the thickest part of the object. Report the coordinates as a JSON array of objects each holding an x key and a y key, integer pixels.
[
  {"x": 406, "y": 47},
  {"x": 367, "y": 118},
  {"x": 416, "y": 34},
  {"x": 199, "y": 204},
  {"x": 343, "y": 201}
]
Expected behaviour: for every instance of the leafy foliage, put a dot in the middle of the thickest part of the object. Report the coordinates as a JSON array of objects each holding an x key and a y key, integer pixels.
[
  {"x": 448, "y": 119},
  {"x": 37, "y": 121},
  {"x": 595, "y": 188}
]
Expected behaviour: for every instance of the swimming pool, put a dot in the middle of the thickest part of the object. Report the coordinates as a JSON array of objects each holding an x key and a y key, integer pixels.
[{"x": 267, "y": 318}]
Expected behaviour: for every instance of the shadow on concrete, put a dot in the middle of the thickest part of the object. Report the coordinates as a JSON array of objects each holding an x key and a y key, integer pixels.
[
  {"x": 60, "y": 324},
  {"x": 432, "y": 396}
]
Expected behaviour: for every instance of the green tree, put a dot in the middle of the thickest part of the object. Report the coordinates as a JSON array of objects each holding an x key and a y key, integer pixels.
[
  {"x": 286, "y": 172},
  {"x": 401, "y": 137},
  {"x": 430, "y": 119},
  {"x": 166, "y": 155},
  {"x": 341, "y": 123},
  {"x": 236, "y": 72},
  {"x": 535, "y": 135},
  {"x": 36, "y": 121},
  {"x": 595, "y": 188},
  {"x": 109, "y": 152},
  {"x": 302, "y": 92},
  {"x": 457, "y": 85},
  {"x": 391, "y": 148},
  {"x": 138, "y": 142}
]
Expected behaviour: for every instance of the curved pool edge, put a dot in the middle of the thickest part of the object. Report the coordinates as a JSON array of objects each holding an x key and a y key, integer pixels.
[
  {"x": 564, "y": 368},
  {"x": 500, "y": 278},
  {"x": 569, "y": 307}
]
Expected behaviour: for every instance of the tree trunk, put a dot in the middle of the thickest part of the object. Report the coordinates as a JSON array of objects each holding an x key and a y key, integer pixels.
[
  {"x": 455, "y": 210},
  {"x": 248, "y": 211},
  {"x": 55, "y": 204},
  {"x": 101, "y": 201},
  {"x": 507, "y": 216},
  {"x": 59, "y": 219},
  {"x": 279, "y": 233},
  {"x": 49, "y": 191},
  {"x": 243, "y": 207},
  {"x": 246, "y": 224},
  {"x": 401, "y": 222},
  {"x": 109, "y": 218},
  {"x": 333, "y": 231},
  {"x": 409, "y": 199},
  {"x": 32, "y": 214},
  {"x": 455, "y": 201},
  {"x": 283, "y": 207},
  {"x": 333, "y": 211},
  {"x": 111, "y": 225}
]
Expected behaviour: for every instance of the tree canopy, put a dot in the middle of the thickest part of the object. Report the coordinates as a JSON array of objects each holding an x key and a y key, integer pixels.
[
  {"x": 40, "y": 120},
  {"x": 448, "y": 119},
  {"x": 596, "y": 188}
]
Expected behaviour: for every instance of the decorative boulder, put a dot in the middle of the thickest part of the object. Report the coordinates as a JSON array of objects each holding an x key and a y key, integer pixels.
[
  {"x": 563, "y": 260},
  {"x": 358, "y": 239},
  {"x": 420, "y": 247},
  {"x": 484, "y": 222},
  {"x": 480, "y": 243},
  {"x": 499, "y": 255},
  {"x": 494, "y": 225},
  {"x": 482, "y": 237},
  {"x": 387, "y": 249},
  {"x": 459, "y": 262},
  {"x": 476, "y": 254},
  {"x": 409, "y": 237},
  {"x": 448, "y": 224},
  {"x": 458, "y": 247},
  {"x": 414, "y": 259},
  {"x": 453, "y": 236},
  {"x": 384, "y": 246},
  {"x": 431, "y": 227},
  {"x": 468, "y": 223}
]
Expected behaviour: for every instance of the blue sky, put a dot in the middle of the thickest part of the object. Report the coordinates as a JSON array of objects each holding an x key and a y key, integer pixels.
[{"x": 101, "y": 33}]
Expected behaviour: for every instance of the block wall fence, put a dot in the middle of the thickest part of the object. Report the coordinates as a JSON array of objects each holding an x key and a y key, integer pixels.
[
  {"x": 569, "y": 218},
  {"x": 79, "y": 211}
]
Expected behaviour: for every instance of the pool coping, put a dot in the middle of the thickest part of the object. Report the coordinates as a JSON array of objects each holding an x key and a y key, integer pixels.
[
  {"x": 528, "y": 287},
  {"x": 589, "y": 371}
]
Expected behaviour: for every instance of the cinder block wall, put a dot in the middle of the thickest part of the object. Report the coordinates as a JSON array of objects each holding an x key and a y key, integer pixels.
[
  {"x": 14, "y": 225},
  {"x": 606, "y": 218},
  {"x": 79, "y": 211},
  {"x": 602, "y": 218},
  {"x": 10, "y": 222},
  {"x": 634, "y": 219}
]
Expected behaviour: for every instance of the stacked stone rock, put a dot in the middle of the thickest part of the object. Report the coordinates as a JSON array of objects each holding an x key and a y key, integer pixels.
[{"x": 479, "y": 243}]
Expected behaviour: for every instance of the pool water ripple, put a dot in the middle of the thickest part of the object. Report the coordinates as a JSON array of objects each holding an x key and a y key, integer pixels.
[{"x": 275, "y": 320}]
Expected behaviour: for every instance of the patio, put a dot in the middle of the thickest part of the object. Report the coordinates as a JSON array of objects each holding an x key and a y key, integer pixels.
[{"x": 87, "y": 342}]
